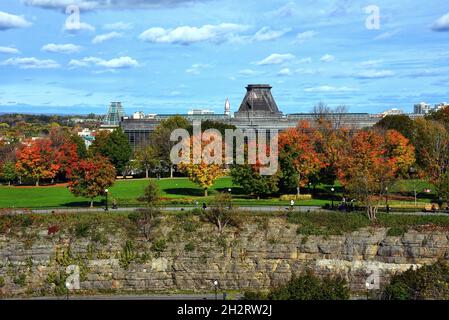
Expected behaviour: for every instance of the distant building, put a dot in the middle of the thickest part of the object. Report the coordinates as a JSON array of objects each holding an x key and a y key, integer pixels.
[
  {"x": 392, "y": 112},
  {"x": 227, "y": 110},
  {"x": 421, "y": 108},
  {"x": 258, "y": 111},
  {"x": 200, "y": 112},
  {"x": 138, "y": 115},
  {"x": 115, "y": 115},
  {"x": 88, "y": 136},
  {"x": 440, "y": 106}
]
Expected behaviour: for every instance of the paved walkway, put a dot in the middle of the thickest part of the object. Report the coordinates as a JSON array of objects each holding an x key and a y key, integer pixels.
[{"x": 244, "y": 208}]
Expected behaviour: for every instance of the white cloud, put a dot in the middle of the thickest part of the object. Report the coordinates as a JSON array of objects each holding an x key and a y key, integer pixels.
[
  {"x": 304, "y": 36},
  {"x": 196, "y": 68},
  {"x": 118, "y": 26},
  {"x": 31, "y": 63},
  {"x": 105, "y": 37},
  {"x": 247, "y": 72},
  {"x": 370, "y": 63},
  {"x": 286, "y": 11},
  {"x": 116, "y": 63},
  {"x": 276, "y": 58},
  {"x": 305, "y": 60},
  {"x": 374, "y": 74},
  {"x": 9, "y": 50},
  {"x": 10, "y": 21},
  {"x": 61, "y": 48},
  {"x": 329, "y": 89},
  {"x": 442, "y": 24},
  {"x": 86, "y": 5},
  {"x": 285, "y": 72},
  {"x": 267, "y": 34},
  {"x": 77, "y": 27},
  {"x": 327, "y": 58},
  {"x": 387, "y": 35},
  {"x": 187, "y": 35}
]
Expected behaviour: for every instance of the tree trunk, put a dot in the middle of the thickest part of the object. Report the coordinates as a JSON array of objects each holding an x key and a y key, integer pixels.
[
  {"x": 298, "y": 188},
  {"x": 37, "y": 183},
  {"x": 171, "y": 171},
  {"x": 146, "y": 173},
  {"x": 9, "y": 183},
  {"x": 92, "y": 203},
  {"x": 205, "y": 192}
]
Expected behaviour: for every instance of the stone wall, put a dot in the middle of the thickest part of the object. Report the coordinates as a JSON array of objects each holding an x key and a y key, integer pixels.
[{"x": 255, "y": 256}]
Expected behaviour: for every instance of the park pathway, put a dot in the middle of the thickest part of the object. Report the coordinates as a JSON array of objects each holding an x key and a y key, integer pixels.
[{"x": 179, "y": 208}]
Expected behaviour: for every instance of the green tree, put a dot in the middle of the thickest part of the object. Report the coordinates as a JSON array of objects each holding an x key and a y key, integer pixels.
[
  {"x": 80, "y": 146},
  {"x": 146, "y": 158},
  {"x": 160, "y": 138},
  {"x": 249, "y": 178},
  {"x": 430, "y": 282},
  {"x": 8, "y": 172},
  {"x": 114, "y": 146},
  {"x": 222, "y": 213},
  {"x": 401, "y": 123},
  {"x": 149, "y": 217}
]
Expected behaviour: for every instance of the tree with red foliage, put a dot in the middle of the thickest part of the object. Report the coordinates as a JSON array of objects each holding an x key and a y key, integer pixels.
[
  {"x": 36, "y": 160},
  {"x": 298, "y": 156},
  {"x": 371, "y": 163},
  {"x": 91, "y": 177},
  {"x": 66, "y": 157}
]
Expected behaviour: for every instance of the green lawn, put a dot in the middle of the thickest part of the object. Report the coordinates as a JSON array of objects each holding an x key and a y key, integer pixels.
[{"x": 175, "y": 191}]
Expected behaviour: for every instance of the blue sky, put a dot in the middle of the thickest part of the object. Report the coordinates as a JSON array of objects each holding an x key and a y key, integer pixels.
[{"x": 169, "y": 56}]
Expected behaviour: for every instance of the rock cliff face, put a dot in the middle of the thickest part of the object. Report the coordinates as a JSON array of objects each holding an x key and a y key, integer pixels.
[{"x": 256, "y": 256}]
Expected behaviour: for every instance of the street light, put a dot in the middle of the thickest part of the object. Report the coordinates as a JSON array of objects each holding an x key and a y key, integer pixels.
[
  {"x": 106, "y": 192},
  {"x": 216, "y": 289},
  {"x": 332, "y": 189}
]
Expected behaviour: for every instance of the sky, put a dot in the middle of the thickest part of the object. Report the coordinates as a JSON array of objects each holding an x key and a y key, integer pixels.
[{"x": 171, "y": 56}]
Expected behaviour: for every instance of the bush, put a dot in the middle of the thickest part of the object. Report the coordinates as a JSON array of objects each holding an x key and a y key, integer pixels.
[
  {"x": 430, "y": 282},
  {"x": 289, "y": 197},
  {"x": 189, "y": 247},
  {"x": 20, "y": 280},
  {"x": 159, "y": 246},
  {"x": 310, "y": 287},
  {"x": 2, "y": 282},
  {"x": 306, "y": 287},
  {"x": 81, "y": 230}
]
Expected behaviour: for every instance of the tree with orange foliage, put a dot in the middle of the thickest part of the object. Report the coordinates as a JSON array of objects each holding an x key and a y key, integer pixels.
[
  {"x": 66, "y": 157},
  {"x": 204, "y": 171},
  {"x": 36, "y": 160},
  {"x": 371, "y": 163},
  {"x": 91, "y": 177},
  {"x": 298, "y": 156}
]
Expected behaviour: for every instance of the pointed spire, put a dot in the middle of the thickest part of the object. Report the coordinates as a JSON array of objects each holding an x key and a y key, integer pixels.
[{"x": 227, "y": 107}]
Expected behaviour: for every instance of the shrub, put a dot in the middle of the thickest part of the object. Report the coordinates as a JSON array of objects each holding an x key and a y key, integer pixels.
[
  {"x": 159, "y": 246},
  {"x": 306, "y": 287},
  {"x": 20, "y": 280},
  {"x": 81, "y": 230},
  {"x": 127, "y": 255},
  {"x": 2, "y": 282},
  {"x": 189, "y": 247},
  {"x": 289, "y": 197},
  {"x": 52, "y": 230},
  {"x": 430, "y": 282}
]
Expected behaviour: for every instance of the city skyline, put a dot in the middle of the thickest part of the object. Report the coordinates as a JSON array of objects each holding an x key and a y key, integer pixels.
[{"x": 173, "y": 56}]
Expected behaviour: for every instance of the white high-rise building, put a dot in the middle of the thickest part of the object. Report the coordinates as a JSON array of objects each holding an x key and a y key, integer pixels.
[{"x": 422, "y": 108}]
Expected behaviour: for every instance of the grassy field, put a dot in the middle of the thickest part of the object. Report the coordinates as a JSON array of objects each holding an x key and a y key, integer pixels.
[{"x": 175, "y": 191}]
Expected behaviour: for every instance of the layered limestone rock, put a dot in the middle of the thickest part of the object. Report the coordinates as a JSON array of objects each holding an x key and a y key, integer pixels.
[{"x": 252, "y": 257}]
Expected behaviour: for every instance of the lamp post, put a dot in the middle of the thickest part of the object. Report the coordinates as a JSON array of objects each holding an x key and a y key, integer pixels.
[
  {"x": 412, "y": 173},
  {"x": 106, "y": 192},
  {"x": 386, "y": 200},
  {"x": 216, "y": 289},
  {"x": 332, "y": 189}
]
